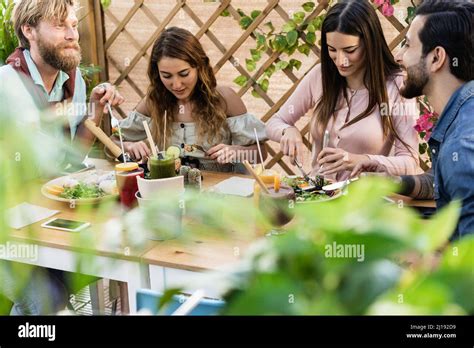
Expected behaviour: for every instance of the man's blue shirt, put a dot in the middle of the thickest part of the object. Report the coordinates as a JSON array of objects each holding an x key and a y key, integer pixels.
[{"x": 452, "y": 150}]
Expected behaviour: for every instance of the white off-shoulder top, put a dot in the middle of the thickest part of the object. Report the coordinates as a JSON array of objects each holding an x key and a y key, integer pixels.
[{"x": 184, "y": 136}]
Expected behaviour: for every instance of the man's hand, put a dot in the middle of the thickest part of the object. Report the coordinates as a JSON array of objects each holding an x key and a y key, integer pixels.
[
  {"x": 105, "y": 92},
  {"x": 368, "y": 166}
]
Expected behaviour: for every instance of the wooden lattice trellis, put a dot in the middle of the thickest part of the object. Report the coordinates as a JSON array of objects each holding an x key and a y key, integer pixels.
[{"x": 228, "y": 54}]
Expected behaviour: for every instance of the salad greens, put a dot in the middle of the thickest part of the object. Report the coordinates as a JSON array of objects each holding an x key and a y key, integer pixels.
[
  {"x": 307, "y": 193},
  {"x": 81, "y": 191}
]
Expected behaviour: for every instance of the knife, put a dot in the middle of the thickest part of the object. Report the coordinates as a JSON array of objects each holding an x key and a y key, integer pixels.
[{"x": 325, "y": 144}]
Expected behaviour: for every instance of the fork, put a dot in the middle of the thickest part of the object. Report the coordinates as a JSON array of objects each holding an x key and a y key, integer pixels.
[{"x": 305, "y": 175}]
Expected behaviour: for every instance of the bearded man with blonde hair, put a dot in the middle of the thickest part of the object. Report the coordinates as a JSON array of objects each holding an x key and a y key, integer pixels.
[
  {"x": 49, "y": 56},
  {"x": 46, "y": 66}
]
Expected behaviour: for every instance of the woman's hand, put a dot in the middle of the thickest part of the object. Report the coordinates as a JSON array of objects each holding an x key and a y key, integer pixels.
[
  {"x": 223, "y": 153},
  {"x": 291, "y": 144},
  {"x": 137, "y": 150},
  {"x": 333, "y": 160}
]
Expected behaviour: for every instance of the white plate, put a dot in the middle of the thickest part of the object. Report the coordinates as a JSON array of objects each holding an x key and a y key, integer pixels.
[
  {"x": 61, "y": 180},
  {"x": 337, "y": 195}
]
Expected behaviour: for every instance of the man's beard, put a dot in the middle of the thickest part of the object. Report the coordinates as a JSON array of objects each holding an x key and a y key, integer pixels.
[
  {"x": 417, "y": 78},
  {"x": 57, "y": 58}
]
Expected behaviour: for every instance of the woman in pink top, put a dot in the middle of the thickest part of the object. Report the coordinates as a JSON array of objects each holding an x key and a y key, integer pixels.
[{"x": 355, "y": 96}]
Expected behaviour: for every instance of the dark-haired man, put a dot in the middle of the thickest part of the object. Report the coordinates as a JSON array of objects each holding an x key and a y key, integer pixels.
[{"x": 437, "y": 60}]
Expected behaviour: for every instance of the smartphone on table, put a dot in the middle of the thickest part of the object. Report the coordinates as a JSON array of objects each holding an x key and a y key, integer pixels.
[{"x": 66, "y": 225}]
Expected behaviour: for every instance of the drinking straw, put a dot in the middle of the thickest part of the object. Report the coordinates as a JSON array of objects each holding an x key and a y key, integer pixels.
[
  {"x": 150, "y": 139},
  {"x": 119, "y": 130},
  {"x": 256, "y": 177},
  {"x": 118, "y": 118},
  {"x": 258, "y": 146},
  {"x": 164, "y": 134},
  {"x": 121, "y": 144}
]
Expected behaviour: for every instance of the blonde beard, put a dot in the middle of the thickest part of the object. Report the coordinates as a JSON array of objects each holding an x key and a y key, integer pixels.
[{"x": 54, "y": 56}]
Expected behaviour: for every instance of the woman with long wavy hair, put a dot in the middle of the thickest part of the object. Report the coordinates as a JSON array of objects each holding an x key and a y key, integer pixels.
[
  {"x": 209, "y": 123},
  {"x": 354, "y": 92}
]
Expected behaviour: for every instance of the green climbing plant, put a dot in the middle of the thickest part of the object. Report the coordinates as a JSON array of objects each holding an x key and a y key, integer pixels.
[{"x": 297, "y": 34}]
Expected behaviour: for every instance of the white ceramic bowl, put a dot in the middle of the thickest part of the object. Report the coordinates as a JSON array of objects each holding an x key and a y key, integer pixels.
[{"x": 150, "y": 188}]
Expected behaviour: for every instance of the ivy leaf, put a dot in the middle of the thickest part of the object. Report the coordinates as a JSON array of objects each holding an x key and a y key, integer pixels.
[
  {"x": 251, "y": 65},
  {"x": 280, "y": 43},
  {"x": 256, "y": 55},
  {"x": 241, "y": 13},
  {"x": 261, "y": 40},
  {"x": 295, "y": 63},
  {"x": 255, "y": 94},
  {"x": 270, "y": 70},
  {"x": 292, "y": 37},
  {"x": 410, "y": 14},
  {"x": 318, "y": 22},
  {"x": 290, "y": 50},
  {"x": 305, "y": 49},
  {"x": 245, "y": 22},
  {"x": 105, "y": 3},
  {"x": 264, "y": 84},
  {"x": 298, "y": 17},
  {"x": 241, "y": 80},
  {"x": 270, "y": 26},
  {"x": 422, "y": 147},
  {"x": 255, "y": 14},
  {"x": 291, "y": 25},
  {"x": 281, "y": 65},
  {"x": 311, "y": 28},
  {"x": 308, "y": 6},
  {"x": 225, "y": 13},
  {"x": 311, "y": 38}
]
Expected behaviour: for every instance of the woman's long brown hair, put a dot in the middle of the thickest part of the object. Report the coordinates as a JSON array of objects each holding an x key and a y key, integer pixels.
[
  {"x": 208, "y": 105},
  {"x": 357, "y": 18}
]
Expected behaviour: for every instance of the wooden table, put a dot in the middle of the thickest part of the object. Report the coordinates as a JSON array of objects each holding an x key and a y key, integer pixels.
[
  {"x": 62, "y": 250},
  {"x": 156, "y": 265}
]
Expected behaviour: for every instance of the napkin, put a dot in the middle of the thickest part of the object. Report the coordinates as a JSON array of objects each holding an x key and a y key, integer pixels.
[
  {"x": 235, "y": 186},
  {"x": 26, "y": 214}
]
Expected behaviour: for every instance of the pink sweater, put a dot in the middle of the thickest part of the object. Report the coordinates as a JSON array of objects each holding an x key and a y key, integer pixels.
[{"x": 363, "y": 137}]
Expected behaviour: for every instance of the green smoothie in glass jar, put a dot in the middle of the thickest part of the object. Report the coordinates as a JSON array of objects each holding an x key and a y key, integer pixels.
[{"x": 162, "y": 168}]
